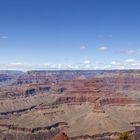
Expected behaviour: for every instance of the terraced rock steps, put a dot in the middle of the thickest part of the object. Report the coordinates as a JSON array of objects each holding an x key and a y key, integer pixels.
[{"x": 33, "y": 130}]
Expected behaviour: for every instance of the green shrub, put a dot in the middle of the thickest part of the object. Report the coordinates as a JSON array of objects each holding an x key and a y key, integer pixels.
[{"x": 124, "y": 136}]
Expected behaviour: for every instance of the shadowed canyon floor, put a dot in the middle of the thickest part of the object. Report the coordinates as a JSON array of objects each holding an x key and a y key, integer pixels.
[{"x": 41, "y": 105}]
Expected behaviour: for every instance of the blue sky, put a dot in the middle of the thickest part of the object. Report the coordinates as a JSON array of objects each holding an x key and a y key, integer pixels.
[{"x": 69, "y": 34}]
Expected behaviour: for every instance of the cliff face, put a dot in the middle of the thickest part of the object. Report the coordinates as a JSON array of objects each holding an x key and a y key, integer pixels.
[
  {"x": 16, "y": 132},
  {"x": 8, "y": 77},
  {"x": 73, "y": 82},
  {"x": 45, "y": 76},
  {"x": 18, "y": 135}
]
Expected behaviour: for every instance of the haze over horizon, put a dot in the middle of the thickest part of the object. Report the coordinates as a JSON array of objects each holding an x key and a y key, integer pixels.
[{"x": 72, "y": 34}]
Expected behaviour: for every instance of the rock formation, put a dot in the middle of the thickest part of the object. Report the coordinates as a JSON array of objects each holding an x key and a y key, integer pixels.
[{"x": 83, "y": 104}]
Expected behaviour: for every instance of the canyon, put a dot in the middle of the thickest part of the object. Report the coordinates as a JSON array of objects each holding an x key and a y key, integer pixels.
[{"x": 69, "y": 104}]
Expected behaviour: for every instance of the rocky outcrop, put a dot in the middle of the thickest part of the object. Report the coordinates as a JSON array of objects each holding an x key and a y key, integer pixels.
[
  {"x": 37, "y": 133},
  {"x": 5, "y": 77},
  {"x": 79, "y": 99},
  {"x": 114, "y": 100},
  {"x": 46, "y": 76},
  {"x": 24, "y": 104},
  {"x": 42, "y": 135},
  {"x": 98, "y": 101},
  {"x": 104, "y": 136},
  {"x": 60, "y": 136},
  {"x": 17, "y": 111},
  {"x": 33, "y": 130},
  {"x": 14, "y": 91},
  {"x": 68, "y": 82},
  {"x": 8, "y": 77}
]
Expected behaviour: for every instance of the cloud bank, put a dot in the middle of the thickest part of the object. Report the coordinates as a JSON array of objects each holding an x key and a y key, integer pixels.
[
  {"x": 103, "y": 48},
  {"x": 84, "y": 65}
]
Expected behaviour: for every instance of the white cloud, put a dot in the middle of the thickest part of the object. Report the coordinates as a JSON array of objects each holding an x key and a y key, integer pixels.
[
  {"x": 83, "y": 47},
  {"x": 113, "y": 62},
  {"x": 72, "y": 67},
  {"x": 84, "y": 65},
  {"x": 102, "y": 48},
  {"x": 130, "y": 60},
  {"x": 86, "y": 62},
  {"x": 3, "y": 37},
  {"x": 126, "y": 64}
]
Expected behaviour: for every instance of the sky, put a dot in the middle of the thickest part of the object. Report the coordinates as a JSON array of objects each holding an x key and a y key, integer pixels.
[{"x": 69, "y": 34}]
